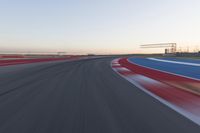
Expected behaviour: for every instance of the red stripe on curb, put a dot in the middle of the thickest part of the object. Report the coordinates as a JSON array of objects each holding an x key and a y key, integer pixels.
[
  {"x": 153, "y": 82},
  {"x": 27, "y": 61},
  {"x": 155, "y": 74}
]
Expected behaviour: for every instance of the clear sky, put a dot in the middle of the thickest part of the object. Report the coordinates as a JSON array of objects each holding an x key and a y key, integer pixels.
[{"x": 97, "y": 26}]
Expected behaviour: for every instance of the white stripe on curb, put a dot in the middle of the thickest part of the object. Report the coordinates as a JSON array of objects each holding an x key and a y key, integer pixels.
[
  {"x": 175, "y": 62},
  {"x": 134, "y": 78}
]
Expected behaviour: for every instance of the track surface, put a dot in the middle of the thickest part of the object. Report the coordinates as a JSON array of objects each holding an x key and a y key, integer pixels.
[{"x": 84, "y": 96}]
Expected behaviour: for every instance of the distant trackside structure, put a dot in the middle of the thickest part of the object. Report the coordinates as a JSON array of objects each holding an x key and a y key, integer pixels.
[{"x": 170, "y": 48}]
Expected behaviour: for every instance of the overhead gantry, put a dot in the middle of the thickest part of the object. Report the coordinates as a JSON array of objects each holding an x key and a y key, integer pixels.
[{"x": 169, "y": 47}]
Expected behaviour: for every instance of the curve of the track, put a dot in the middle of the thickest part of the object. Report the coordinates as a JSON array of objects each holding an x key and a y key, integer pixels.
[{"x": 84, "y": 96}]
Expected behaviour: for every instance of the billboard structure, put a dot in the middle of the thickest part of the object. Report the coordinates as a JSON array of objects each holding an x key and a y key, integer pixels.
[{"x": 170, "y": 48}]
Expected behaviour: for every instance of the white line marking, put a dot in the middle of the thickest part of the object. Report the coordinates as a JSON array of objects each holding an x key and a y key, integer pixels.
[
  {"x": 123, "y": 69},
  {"x": 190, "y": 116},
  {"x": 116, "y": 64},
  {"x": 187, "y": 114},
  {"x": 196, "y": 79},
  {"x": 145, "y": 79},
  {"x": 175, "y": 62}
]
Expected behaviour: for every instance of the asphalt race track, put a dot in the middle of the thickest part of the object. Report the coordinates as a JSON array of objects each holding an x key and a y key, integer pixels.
[{"x": 84, "y": 96}]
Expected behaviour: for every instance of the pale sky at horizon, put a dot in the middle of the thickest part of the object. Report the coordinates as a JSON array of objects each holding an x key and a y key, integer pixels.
[{"x": 97, "y": 26}]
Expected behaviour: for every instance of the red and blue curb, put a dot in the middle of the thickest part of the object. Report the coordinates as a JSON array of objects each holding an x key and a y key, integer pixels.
[
  {"x": 36, "y": 60},
  {"x": 160, "y": 85}
]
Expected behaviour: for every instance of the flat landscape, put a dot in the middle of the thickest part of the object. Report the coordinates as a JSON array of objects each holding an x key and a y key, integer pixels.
[{"x": 99, "y": 66}]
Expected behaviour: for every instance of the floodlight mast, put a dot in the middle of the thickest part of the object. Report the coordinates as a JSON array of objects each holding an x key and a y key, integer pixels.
[{"x": 170, "y": 47}]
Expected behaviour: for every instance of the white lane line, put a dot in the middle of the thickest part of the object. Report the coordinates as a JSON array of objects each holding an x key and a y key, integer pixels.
[
  {"x": 116, "y": 64},
  {"x": 196, "y": 79},
  {"x": 184, "y": 112},
  {"x": 175, "y": 62},
  {"x": 123, "y": 69}
]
